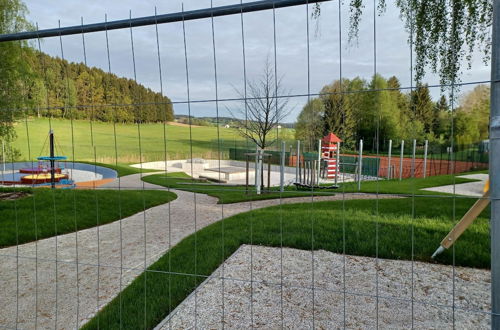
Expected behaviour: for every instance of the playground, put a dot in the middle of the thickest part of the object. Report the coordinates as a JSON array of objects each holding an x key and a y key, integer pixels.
[
  {"x": 67, "y": 174},
  {"x": 54, "y": 171},
  {"x": 230, "y": 192},
  {"x": 219, "y": 168}
]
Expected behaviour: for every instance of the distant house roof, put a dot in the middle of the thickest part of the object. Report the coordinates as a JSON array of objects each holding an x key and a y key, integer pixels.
[{"x": 331, "y": 138}]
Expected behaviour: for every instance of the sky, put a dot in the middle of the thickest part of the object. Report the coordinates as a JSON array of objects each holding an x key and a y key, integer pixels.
[{"x": 329, "y": 51}]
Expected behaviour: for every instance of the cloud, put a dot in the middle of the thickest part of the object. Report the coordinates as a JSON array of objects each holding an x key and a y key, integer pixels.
[{"x": 392, "y": 51}]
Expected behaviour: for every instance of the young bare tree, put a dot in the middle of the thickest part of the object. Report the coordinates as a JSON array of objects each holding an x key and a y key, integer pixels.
[{"x": 263, "y": 108}]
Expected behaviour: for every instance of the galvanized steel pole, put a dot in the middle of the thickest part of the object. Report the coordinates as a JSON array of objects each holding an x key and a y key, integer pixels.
[
  {"x": 360, "y": 164},
  {"x": 3, "y": 161},
  {"x": 425, "y": 158},
  {"x": 158, "y": 19},
  {"x": 297, "y": 162},
  {"x": 319, "y": 161},
  {"x": 401, "y": 160},
  {"x": 337, "y": 164},
  {"x": 282, "y": 167},
  {"x": 413, "y": 158},
  {"x": 258, "y": 182},
  {"x": 495, "y": 168},
  {"x": 389, "y": 160}
]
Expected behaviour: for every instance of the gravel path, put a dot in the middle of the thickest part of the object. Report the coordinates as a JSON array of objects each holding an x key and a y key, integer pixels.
[
  {"x": 474, "y": 189},
  {"x": 67, "y": 293},
  {"x": 239, "y": 303}
]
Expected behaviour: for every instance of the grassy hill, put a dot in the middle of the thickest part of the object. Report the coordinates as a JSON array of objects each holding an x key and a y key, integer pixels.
[{"x": 152, "y": 142}]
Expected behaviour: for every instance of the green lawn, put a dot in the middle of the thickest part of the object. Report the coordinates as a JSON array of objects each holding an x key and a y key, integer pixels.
[
  {"x": 234, "y": 194},
  {"x": 405, "y": 186},
  {"x": 152, "y": 142},
  {"x": 226, "y": 194},
  {"x": 45, "y": 213},
  {"x": 201, "y": 253}
]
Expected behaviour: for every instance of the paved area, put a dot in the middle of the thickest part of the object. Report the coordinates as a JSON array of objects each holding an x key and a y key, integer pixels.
[
  {"x": 62, "y": 281},
  {"x": 254, "y": 289},
  {"x": 474, "y": 189},
  {"x": 132, "y": 181}
]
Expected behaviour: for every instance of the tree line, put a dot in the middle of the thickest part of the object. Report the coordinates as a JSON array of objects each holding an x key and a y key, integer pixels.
[
  {"x": 58, "y": 88},
  {"x": 378, "y": 110},
  {"x": 35, "y": 84}
]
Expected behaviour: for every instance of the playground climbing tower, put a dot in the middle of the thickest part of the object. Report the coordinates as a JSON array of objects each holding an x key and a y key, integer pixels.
[{"x": 330, "y": 146}]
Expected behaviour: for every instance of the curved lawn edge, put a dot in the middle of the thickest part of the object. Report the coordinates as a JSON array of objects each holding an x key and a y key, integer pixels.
[
  {"x": 36, "y": 216},
  {"x": 228, "y": 194},
  {"x": 121, "y": 169},
  {"x": 166, "y": 283}
]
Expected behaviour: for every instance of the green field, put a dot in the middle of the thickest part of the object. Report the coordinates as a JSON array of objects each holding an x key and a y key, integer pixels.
[
  {"x": 234, "y": 194},
  {"x": 407, "y": 186},
  {"x": 127, "y": 139},
  {"x": 228, "y": 194},
  {"x": 400, "y": 235}
]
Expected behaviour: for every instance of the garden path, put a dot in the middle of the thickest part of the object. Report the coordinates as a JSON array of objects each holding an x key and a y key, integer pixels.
[{"x": 95, "y": 264}]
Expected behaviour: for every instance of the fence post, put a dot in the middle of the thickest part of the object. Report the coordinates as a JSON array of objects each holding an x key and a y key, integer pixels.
[
  {"x": 3, "y": 154},
  {"x": 401, "y": 160},
  {"x": 360, "y": 164},
  {"x": 426, "y": 146},
  {"x": 389, "y": 160},
  {"x": 319, "y": 162},
  {"x": 282, "y": 167},
  {"x": 259, "y": 170},
  {"x": 495, "y": 168},
  {"x": 337, "y": 164},
  {"x": 413, "y": 158},
  {"x": 3, "y": 161},
  {"x": 257, "y": 174},
  {"x": 297, "y": 161}
]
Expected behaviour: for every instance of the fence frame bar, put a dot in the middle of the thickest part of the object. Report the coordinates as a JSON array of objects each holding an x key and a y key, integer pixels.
[
  {"x": 159, "y": 19},
  {"x": 494, "y": 169}
]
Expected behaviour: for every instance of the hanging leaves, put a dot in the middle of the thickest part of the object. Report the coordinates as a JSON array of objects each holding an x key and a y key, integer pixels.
[{"x": 445, "y": 34}]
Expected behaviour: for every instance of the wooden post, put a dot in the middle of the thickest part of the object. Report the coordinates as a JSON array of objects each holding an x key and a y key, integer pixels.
[{"x": 466, "y": 220}]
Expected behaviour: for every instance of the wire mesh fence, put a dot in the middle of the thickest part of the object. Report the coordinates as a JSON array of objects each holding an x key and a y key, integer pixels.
[{"x": 161, "y": 224}]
